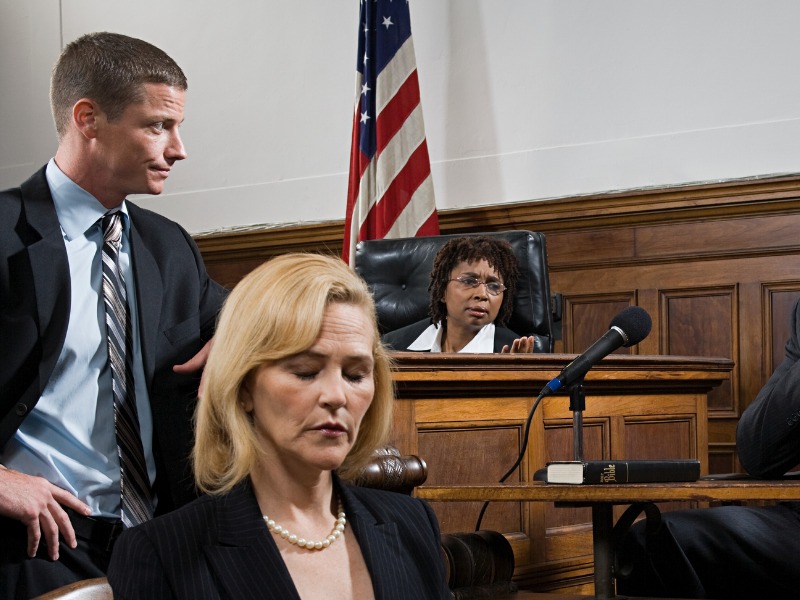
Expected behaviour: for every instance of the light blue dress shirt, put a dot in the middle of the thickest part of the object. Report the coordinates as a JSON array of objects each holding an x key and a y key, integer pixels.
[{"x": 69, "y": 437}]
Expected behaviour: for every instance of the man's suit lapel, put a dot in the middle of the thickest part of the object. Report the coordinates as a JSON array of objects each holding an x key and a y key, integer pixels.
[
  {"x": 149, "y": 289},
  {"x": 49, "y": 267},
  {"x": 245, "y": 560}
]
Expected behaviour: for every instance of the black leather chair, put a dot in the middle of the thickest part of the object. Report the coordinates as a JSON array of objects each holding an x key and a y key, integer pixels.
[{"x": 397, "y": 271}]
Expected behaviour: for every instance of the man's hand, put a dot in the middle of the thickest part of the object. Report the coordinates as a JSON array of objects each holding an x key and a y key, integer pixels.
[
  {"x": 196, "y": 363},
  {"x": 523, "y": 345},
  {"x": 36, "y": 503}
]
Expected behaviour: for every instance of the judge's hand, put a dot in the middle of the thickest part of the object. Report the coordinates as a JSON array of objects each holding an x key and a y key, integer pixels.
[
  {"x": 196, "y": 363},
  {"x": 522, "y": 345},
  {"x": 36, "y": 503}
]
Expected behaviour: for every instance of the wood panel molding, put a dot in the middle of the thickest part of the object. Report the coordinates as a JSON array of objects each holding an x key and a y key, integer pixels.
[{"x": 744, "y": 198}]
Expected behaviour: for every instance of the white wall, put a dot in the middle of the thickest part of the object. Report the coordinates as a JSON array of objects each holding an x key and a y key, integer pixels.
[{"x": 523, "y": 99}]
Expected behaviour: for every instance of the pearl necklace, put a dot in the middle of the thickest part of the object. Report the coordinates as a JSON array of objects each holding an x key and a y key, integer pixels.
[{"x": 336, "y": 532}]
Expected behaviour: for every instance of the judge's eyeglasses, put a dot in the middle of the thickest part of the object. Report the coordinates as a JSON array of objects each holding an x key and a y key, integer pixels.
[{"x": 495, "y": 288}]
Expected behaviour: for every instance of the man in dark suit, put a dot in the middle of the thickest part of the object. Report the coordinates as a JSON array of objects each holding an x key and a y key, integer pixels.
[
  {"x": 733, "y": 552},
  {"x": 117, "y": 104}
]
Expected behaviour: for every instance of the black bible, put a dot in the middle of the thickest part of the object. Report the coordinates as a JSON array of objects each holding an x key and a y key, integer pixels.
[{"x": 622, "y": 471}]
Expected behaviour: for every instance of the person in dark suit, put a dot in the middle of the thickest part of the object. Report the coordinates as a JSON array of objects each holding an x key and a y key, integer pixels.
[
  {"x": 471, "y": 292},
  {"x": 733, "y": 552},
  {"x": 117, "y": 103},
  {"x": 297, "y": 397}
]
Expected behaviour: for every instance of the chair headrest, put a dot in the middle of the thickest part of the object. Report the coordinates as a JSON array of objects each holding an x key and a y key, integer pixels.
[{"x": 397, "y": 272}]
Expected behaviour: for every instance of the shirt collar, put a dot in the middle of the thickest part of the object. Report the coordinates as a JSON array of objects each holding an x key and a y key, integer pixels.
[
  {"x": 430, "y": 340},
  {"x": 76, "y": 208}
]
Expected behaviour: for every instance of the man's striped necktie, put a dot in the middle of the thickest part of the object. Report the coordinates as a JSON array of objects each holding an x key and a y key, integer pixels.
[{"x": 137, "y": 504}]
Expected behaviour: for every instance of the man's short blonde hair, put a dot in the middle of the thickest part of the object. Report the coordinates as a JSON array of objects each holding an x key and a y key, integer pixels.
[{"x": 275, "y": 312}]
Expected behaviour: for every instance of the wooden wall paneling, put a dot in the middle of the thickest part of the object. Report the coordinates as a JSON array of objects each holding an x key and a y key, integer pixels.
[
  {"x": 723, "y": 460},
  {"x": 660, "y": 437},
  {"x": 558, "y": 436},
  {"x": 778, "y": 313},
  {"x": 722, "y": 236},
  {"x": 747, "y": 273},
  {"x": 593, "y": 247},
  {"x": 779, "y": 300},
  {"x": 722, "y": 446},
  {"x": 469, "y": 416},
  {"x": 404, "y": 432},
  {"x": 473, "y": 455},
  {"x": 678, "y": 236},
  {"x": 632, "y": 247},
  {"x": 588, "y": 317},
  {"x": 751, "y": 356},
  {"x": 702, "y": 322},
  {"x": 230, "y": 255},
  {"x": 229, "y": 274},
  {"x": 628, "y": 208},
  {"x": 472, "y": 437},
  {"x": 680, "y": 274},
  {"x": 648, "y": 299},
  {"x": 597, "y": 228},
  {"x": 634, "y": 419}
]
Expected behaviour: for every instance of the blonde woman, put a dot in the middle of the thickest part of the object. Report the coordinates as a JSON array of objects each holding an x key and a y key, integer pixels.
[{"x": 297, "y": 395}]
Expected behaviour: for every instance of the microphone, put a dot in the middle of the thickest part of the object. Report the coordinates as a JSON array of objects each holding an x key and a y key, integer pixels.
[{"x": 628, "y": 328}]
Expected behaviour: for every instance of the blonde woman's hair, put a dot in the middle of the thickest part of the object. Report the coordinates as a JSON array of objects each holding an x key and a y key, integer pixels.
[{"x": 275, "y": 312}]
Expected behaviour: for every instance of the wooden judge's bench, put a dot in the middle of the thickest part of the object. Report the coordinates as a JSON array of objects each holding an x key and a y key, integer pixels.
[{"x": 465, "y": 416}]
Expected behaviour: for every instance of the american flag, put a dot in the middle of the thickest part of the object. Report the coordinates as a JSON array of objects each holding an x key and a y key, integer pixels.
[{"x": 390, "y": 191}]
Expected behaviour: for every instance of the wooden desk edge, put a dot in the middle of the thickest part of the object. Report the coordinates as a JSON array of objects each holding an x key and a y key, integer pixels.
[{"x": 701, "y": 491}]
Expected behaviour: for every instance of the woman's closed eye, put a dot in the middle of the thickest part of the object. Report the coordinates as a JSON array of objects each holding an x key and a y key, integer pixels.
[
  {"x": 353, "y": 376},
  {"x": 356, "y": 376},
  {"x": 306, "y": 375}
]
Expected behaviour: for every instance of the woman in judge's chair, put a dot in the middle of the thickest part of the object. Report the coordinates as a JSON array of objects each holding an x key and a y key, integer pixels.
[
  {"x": 471, "y": 291},
  {"x": 297, "y": 395}
]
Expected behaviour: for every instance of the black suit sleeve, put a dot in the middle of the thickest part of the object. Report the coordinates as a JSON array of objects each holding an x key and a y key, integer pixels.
[
  {"x": 212, "y": 296},
  {"x": 767, "y": 436}
]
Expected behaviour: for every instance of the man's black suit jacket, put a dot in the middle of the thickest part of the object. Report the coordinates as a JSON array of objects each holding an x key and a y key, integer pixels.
[
  {"x": 768, "y": 432},
  {"x": 219, "y": 547},
  {"x": 401, "y": 339},
  {"x": 178, "y": 305}
]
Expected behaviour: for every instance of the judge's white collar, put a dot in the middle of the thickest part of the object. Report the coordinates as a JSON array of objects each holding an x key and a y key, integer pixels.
[{"x": 430, "y": 340}]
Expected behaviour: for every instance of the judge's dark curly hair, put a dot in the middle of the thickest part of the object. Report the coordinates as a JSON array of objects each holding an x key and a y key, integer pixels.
[{"x": 496, "y": 252}]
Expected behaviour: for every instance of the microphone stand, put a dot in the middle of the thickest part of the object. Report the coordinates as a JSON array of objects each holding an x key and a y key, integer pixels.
[{"x": 577, "y": 404}]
